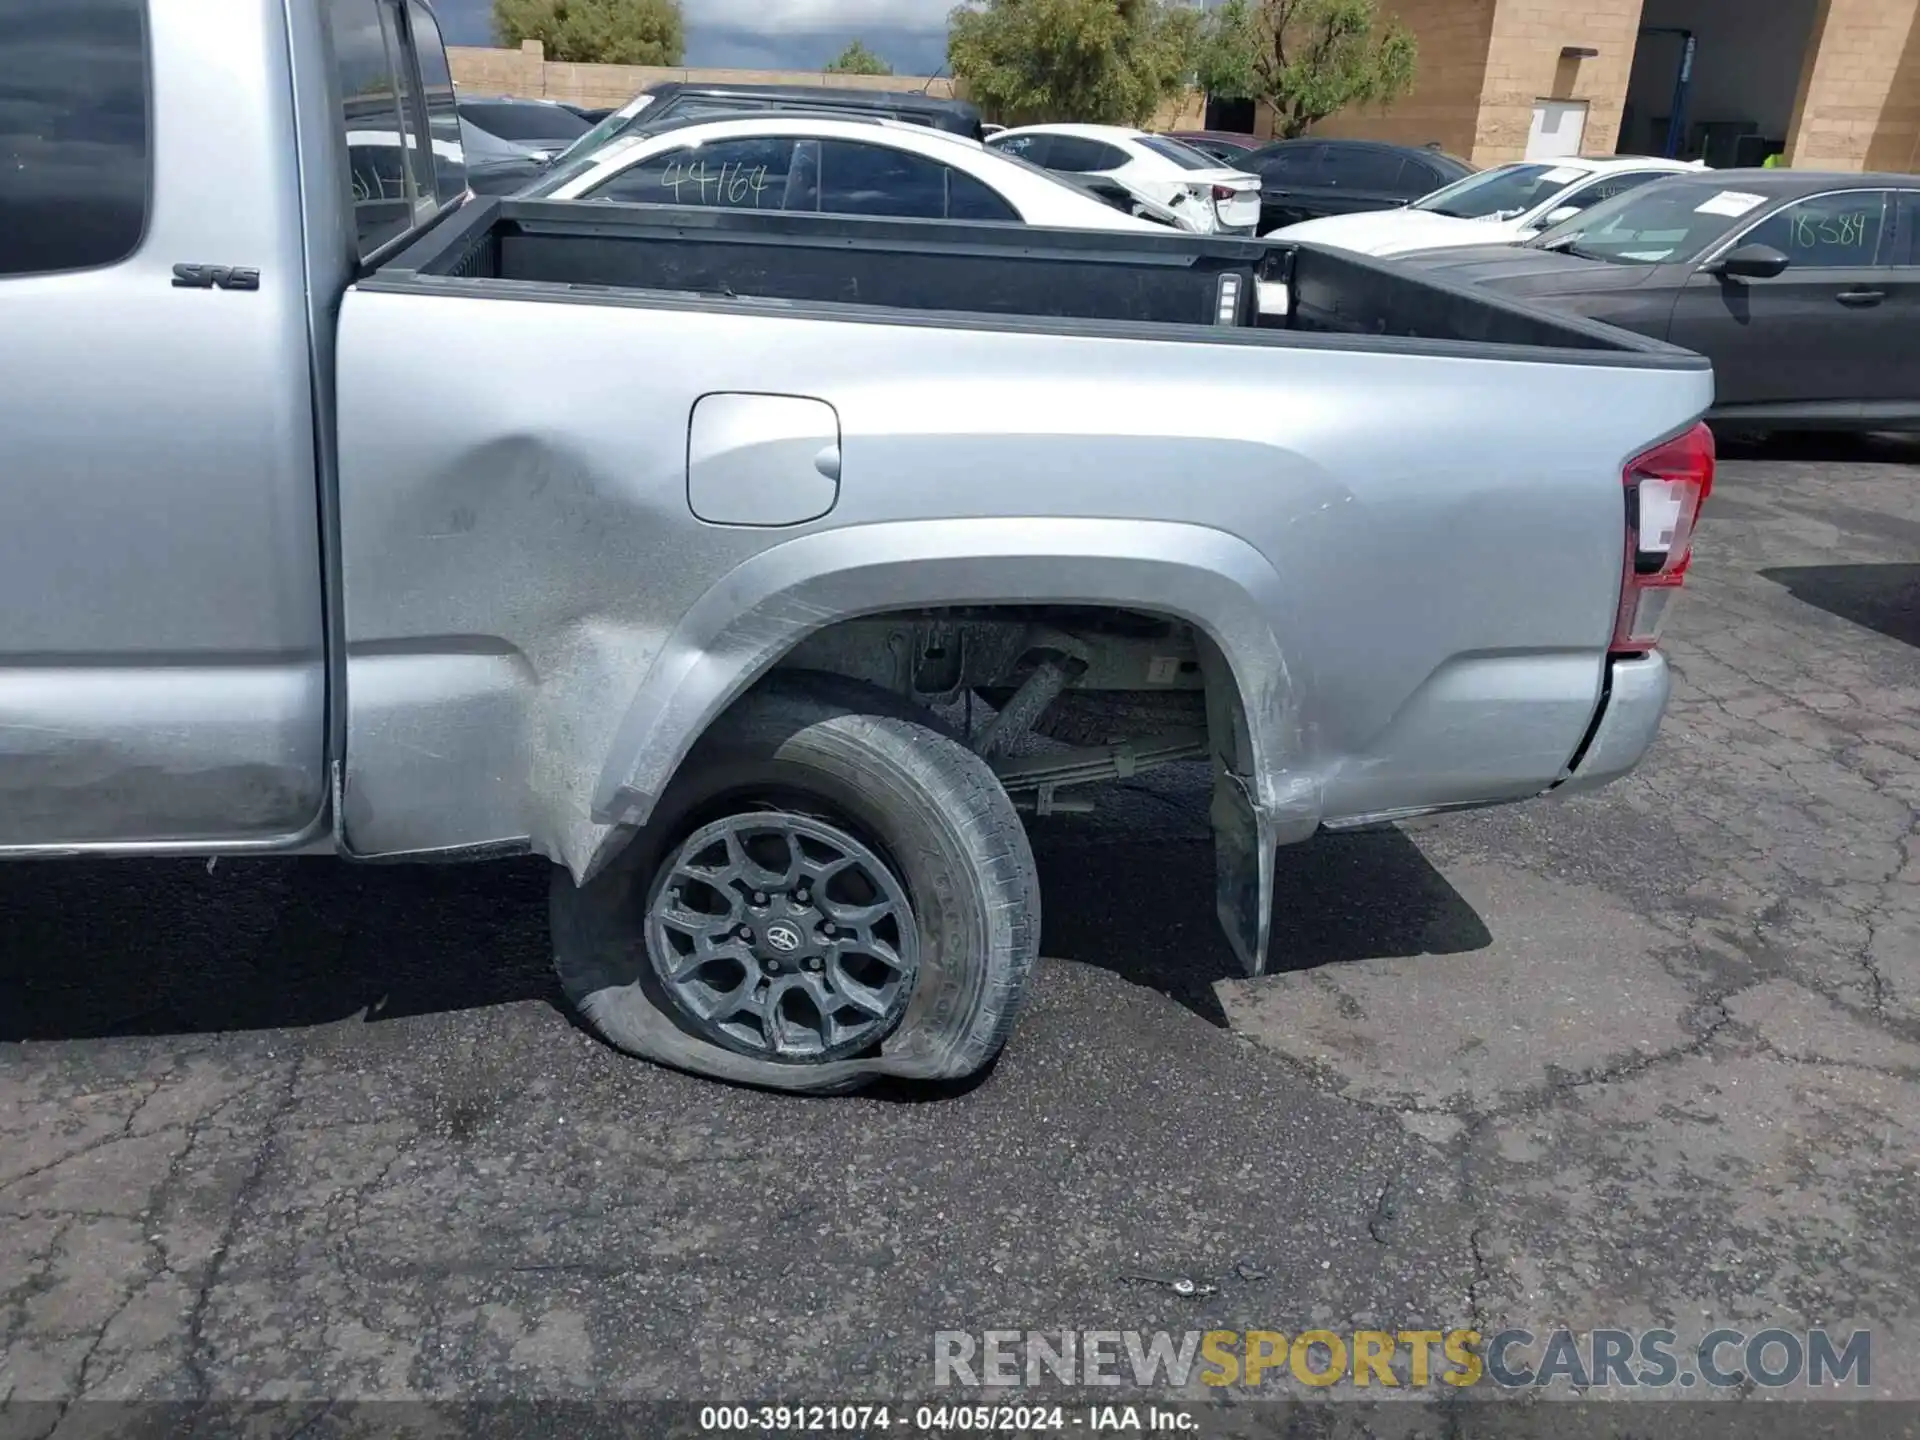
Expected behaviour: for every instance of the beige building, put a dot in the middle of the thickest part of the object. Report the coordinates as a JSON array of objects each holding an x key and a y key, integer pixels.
[{"x": 1833, "y": 83}]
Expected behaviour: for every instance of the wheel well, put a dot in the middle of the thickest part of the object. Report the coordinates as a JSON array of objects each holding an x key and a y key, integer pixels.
[
  {"x": 1031, "y": 659},
  {"x": 932, "y": 657},
  {"x": 937, "y": 658}
]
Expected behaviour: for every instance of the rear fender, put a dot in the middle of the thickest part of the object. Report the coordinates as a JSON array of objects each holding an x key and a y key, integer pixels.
[{"x": 743, "y": 626}]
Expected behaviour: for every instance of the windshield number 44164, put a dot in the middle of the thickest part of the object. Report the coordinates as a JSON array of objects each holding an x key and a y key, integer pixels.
[{"x": 731, "y": 184}]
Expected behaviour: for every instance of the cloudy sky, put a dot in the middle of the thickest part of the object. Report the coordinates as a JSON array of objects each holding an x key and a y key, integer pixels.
[{"x": 911, "y": 35}]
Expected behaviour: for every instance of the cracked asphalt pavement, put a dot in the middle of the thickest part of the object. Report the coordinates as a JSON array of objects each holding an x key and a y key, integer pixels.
[{"x": 1651, "y": 1057}]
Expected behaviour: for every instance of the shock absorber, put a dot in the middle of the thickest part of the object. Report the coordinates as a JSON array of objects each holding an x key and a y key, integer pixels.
[{"x": 1040, "y": 689}]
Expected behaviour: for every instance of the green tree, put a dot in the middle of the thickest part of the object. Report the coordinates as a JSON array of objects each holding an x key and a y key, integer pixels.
[
  {"x": 1305, "y": 58},
  {"x": 857, "y": 59},
  {"x": 1097, "y": 61},
  {"x": 1224, "y": 57},
  {"x": 607, "y": 32}
]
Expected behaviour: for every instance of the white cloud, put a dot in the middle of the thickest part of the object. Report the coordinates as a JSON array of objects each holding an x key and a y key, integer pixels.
[{"x": 781, "y": 16}]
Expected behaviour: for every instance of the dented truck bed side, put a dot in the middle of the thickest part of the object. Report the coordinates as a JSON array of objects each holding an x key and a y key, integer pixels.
[{"x": 1406, "y": 550}]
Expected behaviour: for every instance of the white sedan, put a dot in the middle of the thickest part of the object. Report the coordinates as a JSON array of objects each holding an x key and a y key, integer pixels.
[
  {"x": 829, "y": 165},
  {"x": 1166, "y": 178},
  {"x": 1504, "y": 205}
]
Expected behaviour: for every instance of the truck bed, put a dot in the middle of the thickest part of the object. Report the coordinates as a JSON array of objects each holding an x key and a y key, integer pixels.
[
  {"x": 599, "y": 466},
  {"x": 655, "y": 255}
]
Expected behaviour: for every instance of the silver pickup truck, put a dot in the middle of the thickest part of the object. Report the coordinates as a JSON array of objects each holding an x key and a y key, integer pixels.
[{"x": 754, "y": 567}]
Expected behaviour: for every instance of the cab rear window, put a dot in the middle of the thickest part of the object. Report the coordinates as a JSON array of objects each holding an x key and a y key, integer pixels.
[{"x": 75, "y": 144}]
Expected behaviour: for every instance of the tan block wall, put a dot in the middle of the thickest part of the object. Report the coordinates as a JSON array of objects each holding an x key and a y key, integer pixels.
[
  {"x": 1859, "y": 102},
  {"x": 1444, "y": 104},
  {"x": 528, "y": 73},
  {"x": 1525, "y": 66},
  {"x": 1187, "y": 113},
  {"x": 498, "y": 72}
]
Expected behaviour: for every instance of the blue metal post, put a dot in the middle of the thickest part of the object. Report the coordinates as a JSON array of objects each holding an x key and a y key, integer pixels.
[
  {"x": 1682, "y": 83},
  {"x": 1677, "y": 124}
]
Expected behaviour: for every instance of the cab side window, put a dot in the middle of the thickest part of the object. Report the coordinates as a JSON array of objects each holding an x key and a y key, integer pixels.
[
  {"x": 75, "y": 154},
  {"x": 1826, "y": 231},
  {"x": 443, "y": 120},
  {"x": 392, "y": 176}
]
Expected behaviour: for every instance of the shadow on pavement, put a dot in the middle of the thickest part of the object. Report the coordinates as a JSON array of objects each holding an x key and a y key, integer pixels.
[
  {"x": 1880, "y": 597},
  {"x": 148, "y": 947},
  {"x": 1145, "y": 910}
]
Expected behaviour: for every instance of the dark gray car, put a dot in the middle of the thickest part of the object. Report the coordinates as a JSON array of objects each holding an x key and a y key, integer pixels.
[
  {"x": 509, "y": 141},
  {"x": 1802, "y": 288},
  {"x": 1307, "y": 179}
]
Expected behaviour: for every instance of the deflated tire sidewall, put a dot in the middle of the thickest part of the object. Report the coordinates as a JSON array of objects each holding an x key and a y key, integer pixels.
[{"x": 930, "y": 807}]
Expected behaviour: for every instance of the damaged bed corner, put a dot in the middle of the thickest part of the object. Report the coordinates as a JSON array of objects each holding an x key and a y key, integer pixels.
[{"x": 1244, "y": 837}]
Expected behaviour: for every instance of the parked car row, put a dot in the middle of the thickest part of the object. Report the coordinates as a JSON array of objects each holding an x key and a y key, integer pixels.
[
  {"x": 1227, "y": 145},
  {"x": 678, "y": 100},
  {"x": 510, "y": 142},
  {"x": 1151, "y": 175},
  {"x": 1801, "y": 288},
  {"x": 828, "y": 164},
  {"x": 854, "y": 152},
  {"x": 1218, "y": 184},
  {"x": 1508, "y": 202},
  {"x": 1308, "y": 179}
]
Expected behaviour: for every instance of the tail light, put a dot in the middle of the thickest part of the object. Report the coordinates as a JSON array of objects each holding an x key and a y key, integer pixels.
[
  {"x": 1224, "y": 192},
  {"x": 1665, "y": 489}
]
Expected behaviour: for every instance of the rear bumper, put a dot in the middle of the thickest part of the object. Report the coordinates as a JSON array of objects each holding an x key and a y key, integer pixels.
[{"x": 1630, "y": 714}]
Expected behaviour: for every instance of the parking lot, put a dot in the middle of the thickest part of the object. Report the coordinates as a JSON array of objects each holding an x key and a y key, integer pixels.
[{"x": 1651, "y": 1057}]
